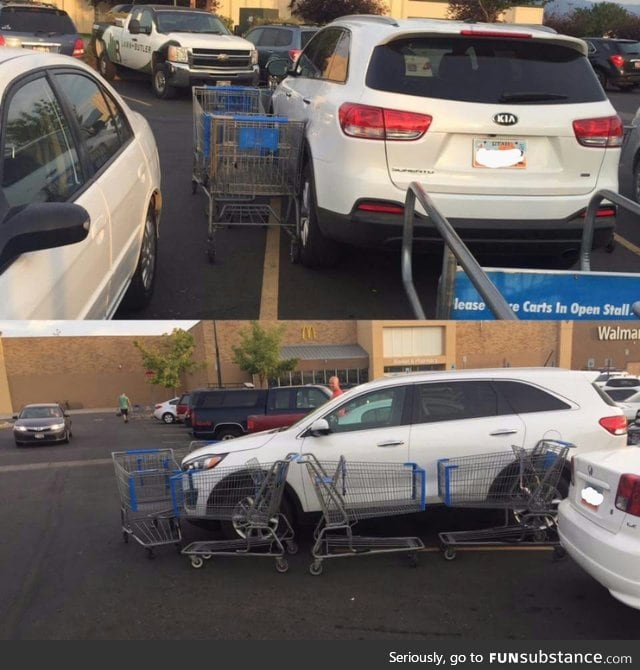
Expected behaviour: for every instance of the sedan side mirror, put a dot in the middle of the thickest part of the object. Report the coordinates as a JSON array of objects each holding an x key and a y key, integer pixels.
[{"x": 39, "y": 226}]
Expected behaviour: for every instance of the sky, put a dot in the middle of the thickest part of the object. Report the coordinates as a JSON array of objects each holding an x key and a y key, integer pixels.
[{"x": 71, "y": 328}]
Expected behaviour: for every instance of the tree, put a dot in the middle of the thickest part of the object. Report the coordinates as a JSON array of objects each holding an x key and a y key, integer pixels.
[
  {"x": 325, "y": 11},
  {"x": 486, "y": 11},
  {"x": 603, "y": 19},
  {"x": 259, "y": 352},
  {"x": 170, "y": 359}
]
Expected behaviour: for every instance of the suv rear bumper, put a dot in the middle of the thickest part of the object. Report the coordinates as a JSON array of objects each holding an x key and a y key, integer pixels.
[
  {"x": 179, "y": 75},
  {"x": 528, "y": 237}
]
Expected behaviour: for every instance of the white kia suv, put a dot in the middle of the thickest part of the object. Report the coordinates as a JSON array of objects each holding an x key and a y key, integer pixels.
[
  {"x": 420, "y": 418},
  {"x": 505, "y": 126}
]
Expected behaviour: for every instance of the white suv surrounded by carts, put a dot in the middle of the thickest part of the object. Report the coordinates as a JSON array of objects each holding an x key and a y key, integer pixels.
[
  {"x": 505, "y": 126},
  {"x": 422, "y": 418}
]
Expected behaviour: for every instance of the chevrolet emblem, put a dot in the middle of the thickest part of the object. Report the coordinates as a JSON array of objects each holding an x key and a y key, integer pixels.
[{"x": 222, "y": 57}]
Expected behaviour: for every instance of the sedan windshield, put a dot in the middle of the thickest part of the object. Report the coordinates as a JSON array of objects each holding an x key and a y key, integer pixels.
[{"x": 40, "y": 413}]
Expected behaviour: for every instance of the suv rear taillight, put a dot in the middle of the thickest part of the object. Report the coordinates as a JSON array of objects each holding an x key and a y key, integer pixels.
[
  {"x": 251, "y": 424},
  {"x": 603, "y": 132},
  {"x": 78, "y": 48},
  {"x": 293, "y": 54},
  {"x": 377, "y": 123},
  {"x": 2, "y": 40},
  {"x": 616, "y": 425},
  {"x": 628, "y": 494},
  {"x": 158, "y": 406},
  {"x": 617, "y": 60}
]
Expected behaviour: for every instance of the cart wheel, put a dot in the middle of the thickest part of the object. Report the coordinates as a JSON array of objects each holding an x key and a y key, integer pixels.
[
  {"x": 539, "y": 535},
  {"x": 196, "y": 562},
  {"x": 316, "y": 568},
  {"x": 292, "y": 547},
  {"x": 413, "y": 559},
  {"x": 449, "y": 553},
  {"x": 559, "y": 553},
  {"x": 194, "y": 186},
  {"x": 150, "y": 554},
  {"x": 211, "y": 251},
  {"x": 282, "y": 565},
  {"x": 206, "y": 556}
]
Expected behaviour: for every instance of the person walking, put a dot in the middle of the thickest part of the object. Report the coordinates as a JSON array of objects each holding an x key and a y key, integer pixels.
[
  {"x": 124, "y": 404},
  {"x": 334, "y": 385}
]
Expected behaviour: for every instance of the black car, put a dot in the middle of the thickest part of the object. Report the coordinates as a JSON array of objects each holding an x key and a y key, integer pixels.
[
  {"x": 39, "y": 26},
  {"x": 615, "y": 61},
  {"x": 39, "y": 423},
  {"x": 279, "y": 40}
]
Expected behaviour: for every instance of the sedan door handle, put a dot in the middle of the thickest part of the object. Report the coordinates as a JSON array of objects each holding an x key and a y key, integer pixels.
[
  {"x": 306, "y": 101},
  {"x": 288, "y": 94},
  {"x": 390, "y": 443},
  {"x": 504, "y": 431}
]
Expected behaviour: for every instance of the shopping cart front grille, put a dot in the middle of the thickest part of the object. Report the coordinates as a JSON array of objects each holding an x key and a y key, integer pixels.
[{"x": 221, "y": 59}]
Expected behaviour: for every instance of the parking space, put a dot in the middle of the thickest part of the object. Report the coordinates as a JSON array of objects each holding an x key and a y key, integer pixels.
[
  {"x": 67, "y": 574},
  {"x": 253, "y": 276}
]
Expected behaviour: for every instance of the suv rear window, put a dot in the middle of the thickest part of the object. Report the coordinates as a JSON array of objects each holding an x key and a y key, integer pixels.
[
  {"x": 485, "y": 70},
  {"x": 32, "y": 20},
  {"x": 631, "y": 48}
]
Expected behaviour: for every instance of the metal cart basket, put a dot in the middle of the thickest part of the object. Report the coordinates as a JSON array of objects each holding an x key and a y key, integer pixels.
[
  {"x": 351, "y": 491},
  {"x": 146, "y": 511},
  {"x": 250, "y": 499},
  {"x": 242, "y": 159},
  {"x": 522, "y": 482}
]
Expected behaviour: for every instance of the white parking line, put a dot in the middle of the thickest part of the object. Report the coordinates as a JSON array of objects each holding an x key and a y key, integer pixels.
[
  {"x": 140, "y": 102},
  {"x": 58, "y": 464},
  {"x": 626, "y": 244}
]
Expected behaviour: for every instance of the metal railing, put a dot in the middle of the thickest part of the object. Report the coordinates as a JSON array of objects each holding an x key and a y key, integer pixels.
[{"x": 456, "y": 249}]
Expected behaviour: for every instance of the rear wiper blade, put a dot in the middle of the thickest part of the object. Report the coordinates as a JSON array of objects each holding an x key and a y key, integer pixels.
[
  {"x": 530, "y": 96},
  {"x": 48, "y": 33}
]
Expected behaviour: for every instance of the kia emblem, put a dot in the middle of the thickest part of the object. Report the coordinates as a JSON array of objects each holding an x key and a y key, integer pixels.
[{"x": 505, "y": 119}]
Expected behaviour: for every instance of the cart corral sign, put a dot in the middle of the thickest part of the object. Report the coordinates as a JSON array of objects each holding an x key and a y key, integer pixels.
[{"x": 553, "y": 295}]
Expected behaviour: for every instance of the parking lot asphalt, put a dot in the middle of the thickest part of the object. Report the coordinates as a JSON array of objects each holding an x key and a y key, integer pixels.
[
  {"x": 66, "y": 574},
  {"x": 253, "y": 276}
]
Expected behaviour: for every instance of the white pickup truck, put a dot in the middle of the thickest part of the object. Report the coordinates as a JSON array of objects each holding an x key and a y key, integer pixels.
[{"x": 177, "y": 46}]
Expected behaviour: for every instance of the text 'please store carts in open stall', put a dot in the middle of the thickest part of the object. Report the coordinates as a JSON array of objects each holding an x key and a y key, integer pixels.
[{"x": 246, "y": 162}]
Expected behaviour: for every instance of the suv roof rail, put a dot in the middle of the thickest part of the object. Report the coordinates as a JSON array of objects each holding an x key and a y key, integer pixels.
[{"x": 387, "y": 20}]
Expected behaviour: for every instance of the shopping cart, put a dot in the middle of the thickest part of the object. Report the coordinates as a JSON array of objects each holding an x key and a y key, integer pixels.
[
  {"x": 143, "y": 479},
  {"x": 250, "y": 499},
  {"x": 523, "y": 483},
  {"x": 349, "y": 492},
  {"x": 243, "y": 159}
]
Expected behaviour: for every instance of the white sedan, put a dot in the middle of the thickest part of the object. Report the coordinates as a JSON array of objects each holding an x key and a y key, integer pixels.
[
  {"x": 80, "y": 196},
  {"x": 167, "y": 411},
  {"x": 599, "y": 522}
]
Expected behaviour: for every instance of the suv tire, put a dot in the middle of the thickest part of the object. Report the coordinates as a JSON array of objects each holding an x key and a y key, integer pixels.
[
  {"x": 105, "y": 67},
  {"x": 314, "y": 250}
]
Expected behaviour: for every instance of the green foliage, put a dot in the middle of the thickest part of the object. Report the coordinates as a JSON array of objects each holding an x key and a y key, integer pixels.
[
  {"x": 259, "y": 352},
  {"x": 169, "y": 359},
  {"x": 604, "y": 19},
  {"x": 486, "y": 11},
  {"x": 325, "y": 11}
]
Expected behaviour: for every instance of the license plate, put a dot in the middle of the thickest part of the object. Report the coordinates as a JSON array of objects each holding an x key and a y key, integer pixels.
[
  {"x": 499, "y": 154},
  {"x": 636, "y": 64},
  {"x": 39, "y": 436},
  {"x": 223, "y": 83},
  {"x": 591, "y": 498},
  {"x": 39, "y": 48}
]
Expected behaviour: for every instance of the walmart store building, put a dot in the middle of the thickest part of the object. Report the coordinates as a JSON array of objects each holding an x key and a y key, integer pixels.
[{"x": 90, "y": 372}]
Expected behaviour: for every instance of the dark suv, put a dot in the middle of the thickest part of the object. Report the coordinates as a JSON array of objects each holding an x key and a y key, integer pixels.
[
  {"x": 615, "y": 61},
  {"x": 279, "y": 40},
  {"x": 39, "y": 26}
]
